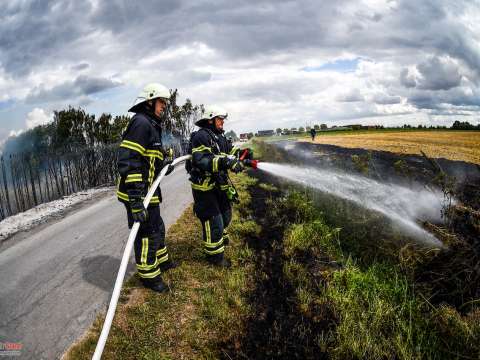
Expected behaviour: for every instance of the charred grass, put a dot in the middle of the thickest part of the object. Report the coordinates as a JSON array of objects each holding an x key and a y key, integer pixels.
[{"x": 388, "y": 297}]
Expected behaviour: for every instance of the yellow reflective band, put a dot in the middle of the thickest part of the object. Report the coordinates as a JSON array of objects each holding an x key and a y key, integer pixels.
[
  {"x": 214, "y": 252},
  {"x": 201, "y": 148},
  {"x": 162, "y": 259},
  {"x": 151, "y": 171},
  {"x": 154, "y": 153},
  {"x": 205, "y": 186},
  {"x": 133, "y": 146},
  {"x": 148, "y": 267},
  {"x": 143, "y": 256},
  {"x": 133, "y": 178},
  {"x": 149, "y": 275},
  {"x": 162, "y": 251},
  {"x": 224, "y": 187},
  {"x": 207, "y": 231},
  {"x": 234, "y": 150},
  {"x": 122, "y": 196},
  {"x": 215, "y": 164},
  {"x": 213, "y": 245}
]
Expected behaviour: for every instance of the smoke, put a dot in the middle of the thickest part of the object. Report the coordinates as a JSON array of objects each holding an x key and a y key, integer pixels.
[{"x": 403, "y": 206}]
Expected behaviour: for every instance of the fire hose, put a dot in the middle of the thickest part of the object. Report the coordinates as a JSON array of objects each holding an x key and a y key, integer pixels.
[{"x": 123, "y": 265}]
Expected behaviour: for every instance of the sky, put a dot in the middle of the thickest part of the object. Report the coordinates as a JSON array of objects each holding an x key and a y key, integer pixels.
[{"x": 271, "y": 63}]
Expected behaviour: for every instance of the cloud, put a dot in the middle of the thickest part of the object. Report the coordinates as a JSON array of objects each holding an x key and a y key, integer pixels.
[
  {"x": 384, "y": 99},
  {"x": 352, "y": 96},
  {"x": 438, "y": 74},
  {"x": 283, "y": 61},
  {"x": 80, "y": 87},
  {"x": 38, "y": 117},
  {"x": 80, "y": 66},
  {"x": 407, "y": 79}
]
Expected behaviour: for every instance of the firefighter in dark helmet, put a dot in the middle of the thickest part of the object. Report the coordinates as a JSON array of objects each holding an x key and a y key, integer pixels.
[
  {"x": 212, "y": 156},
  {"x": 140, "y": 159}
]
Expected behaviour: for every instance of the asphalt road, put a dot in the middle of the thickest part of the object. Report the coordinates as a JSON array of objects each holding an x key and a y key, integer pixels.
[{"x": 56, "y": 278}]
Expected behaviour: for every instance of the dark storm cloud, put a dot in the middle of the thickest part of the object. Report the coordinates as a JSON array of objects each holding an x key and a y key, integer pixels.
[
  {"x": 407, "y": 79},
  {"x": 79, "y": 88},
  {"x": 38, "y": 35},
  {"x": 31, "y": 34},
  {"x": 445, "y": 100},
  {"x": 237, "y": 29},
  {"x": 438, "y": 75},
  {"x": 81, "y": 66},
  {"x": 384, "y": 99}
]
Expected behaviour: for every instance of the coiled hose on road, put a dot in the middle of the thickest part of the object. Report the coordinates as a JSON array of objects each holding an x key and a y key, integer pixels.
[{"x": 123, "y": 265}]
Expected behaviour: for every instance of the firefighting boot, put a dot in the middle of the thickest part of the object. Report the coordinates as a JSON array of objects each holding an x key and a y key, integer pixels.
[
  {"x": 167, "y": 265},
  {"x": 219, "y": 261},
  {"x": 156, "y": 284},
  {"x": 226, "y": 238}
]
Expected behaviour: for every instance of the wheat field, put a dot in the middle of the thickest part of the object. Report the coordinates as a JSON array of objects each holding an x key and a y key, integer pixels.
[{"x": 452, "y": 145}]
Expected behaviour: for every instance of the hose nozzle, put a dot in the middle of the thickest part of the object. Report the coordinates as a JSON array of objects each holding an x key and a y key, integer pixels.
[{"x": 251, "y": 163}]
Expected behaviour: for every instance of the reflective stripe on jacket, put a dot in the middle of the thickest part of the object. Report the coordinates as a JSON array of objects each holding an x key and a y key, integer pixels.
[
  {"x": 208, "y": 149},
  {"x": 140, "y": 157}
]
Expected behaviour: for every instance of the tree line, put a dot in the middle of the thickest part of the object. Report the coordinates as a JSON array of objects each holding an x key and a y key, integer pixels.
[
  {"x": 76, "y": 152},
  {"x": 73, "y": 128}
]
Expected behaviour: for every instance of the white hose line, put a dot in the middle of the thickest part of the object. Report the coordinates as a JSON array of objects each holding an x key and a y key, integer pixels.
[{"x": 123, "y": 265}]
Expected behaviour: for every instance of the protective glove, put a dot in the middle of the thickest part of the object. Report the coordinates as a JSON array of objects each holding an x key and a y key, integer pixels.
[
  {"x": 250, "y": 163},
  {"x": 234, "y": 164},
  {"x": 138, "y": 211}
]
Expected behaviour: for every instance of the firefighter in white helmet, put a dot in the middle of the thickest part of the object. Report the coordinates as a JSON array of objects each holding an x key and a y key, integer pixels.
[
  {"x": 140, "y": 159},
  {"x": 212, "y": 156}
]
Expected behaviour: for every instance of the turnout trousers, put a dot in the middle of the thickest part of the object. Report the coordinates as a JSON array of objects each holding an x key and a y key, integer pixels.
[
  {"x": 213, "y": 209},
  {"x": 150, "y": 249}
]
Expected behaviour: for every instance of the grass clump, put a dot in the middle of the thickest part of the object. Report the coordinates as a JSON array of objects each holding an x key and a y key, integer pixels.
[
  {"x": 380, "y": 317},
  {"x": 370, "y": 309}
]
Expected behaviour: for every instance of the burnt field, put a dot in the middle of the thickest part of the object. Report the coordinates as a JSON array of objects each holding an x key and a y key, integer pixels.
[{"x": 330, "y": 271}]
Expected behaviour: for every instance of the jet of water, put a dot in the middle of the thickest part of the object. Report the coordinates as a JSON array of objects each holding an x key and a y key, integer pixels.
[{"x": 400, "y": 204}]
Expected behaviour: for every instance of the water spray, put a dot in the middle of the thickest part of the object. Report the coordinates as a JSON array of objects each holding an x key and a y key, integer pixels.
[{"x": 401, "y": 205}]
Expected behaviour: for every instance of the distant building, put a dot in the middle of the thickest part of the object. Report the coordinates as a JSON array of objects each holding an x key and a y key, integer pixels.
[
  {"x": 266, "y": 133},
  {"x": 244, "y": 136},
  {"x": 338, "y": 128},
  {"x": 355, "y": 126}
]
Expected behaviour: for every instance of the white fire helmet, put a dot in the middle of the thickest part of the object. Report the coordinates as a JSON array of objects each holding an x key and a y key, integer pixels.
[
  {"x": 150, "y": 92},
  {"x": 212, "y": 111}
]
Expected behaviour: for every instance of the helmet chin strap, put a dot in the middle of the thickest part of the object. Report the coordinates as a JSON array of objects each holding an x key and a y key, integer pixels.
[{"x": 149, "y": 109}]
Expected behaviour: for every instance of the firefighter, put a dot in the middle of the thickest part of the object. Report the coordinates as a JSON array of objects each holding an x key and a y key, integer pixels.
[
  {"x": 140, "y": 159},
  {"x": 313, "y": 132},
  {"x": 212, "y": 156}
]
